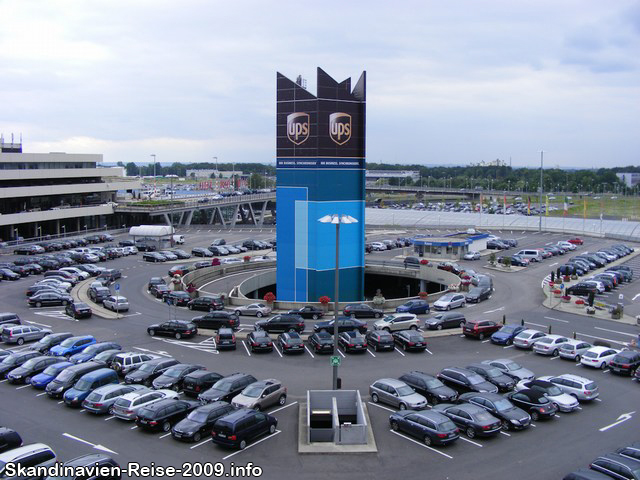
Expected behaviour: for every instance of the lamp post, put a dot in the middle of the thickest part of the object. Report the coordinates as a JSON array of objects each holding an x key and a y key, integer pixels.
[
  {"x": 171, "y": 177},
  {"x": 39, "y": 232},
  {"x": 336, "y": 219},
  {"x": 540, "y": 194},
  {"x": 64, "y": 230},
  {"x": 86, "y": 230},
  {"x": 155, "y": 182}
]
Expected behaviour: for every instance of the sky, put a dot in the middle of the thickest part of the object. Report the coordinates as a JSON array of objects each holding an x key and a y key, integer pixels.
[{"x": 447, "y": 82}]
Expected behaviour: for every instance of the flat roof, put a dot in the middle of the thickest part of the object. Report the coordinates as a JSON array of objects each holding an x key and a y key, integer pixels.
[{"x": 442, "y": 241}]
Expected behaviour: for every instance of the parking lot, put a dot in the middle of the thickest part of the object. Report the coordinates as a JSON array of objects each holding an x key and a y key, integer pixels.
[{"x": 547, "y": 450}]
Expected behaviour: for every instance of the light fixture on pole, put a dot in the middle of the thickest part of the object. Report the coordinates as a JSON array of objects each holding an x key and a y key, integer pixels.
[{"x": 336, "y": 219}]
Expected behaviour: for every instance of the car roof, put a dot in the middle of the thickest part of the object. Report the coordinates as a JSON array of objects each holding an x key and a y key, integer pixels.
[
  {"x": 534, "y": 394},
  {"x": 627, "y": 462},
  {"x": 494, "y": 397},
  {"x": 577, "y": 378},
  {"x": 529, "y": 331},
  {"x": 599, "y": 349},
  {"x": 391, "y": 381}
]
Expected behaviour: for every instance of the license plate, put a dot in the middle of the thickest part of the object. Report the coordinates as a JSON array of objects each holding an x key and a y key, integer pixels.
[
  {"x": 222, "y": 435},
  {"x": 177, "y": 434}
]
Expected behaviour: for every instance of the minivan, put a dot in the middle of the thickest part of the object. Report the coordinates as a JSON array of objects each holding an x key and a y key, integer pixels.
[
  {"x": 531, "y": 255},
  {"x": 237, "y": 428},
  {"x": 179, "y": 239},
  {"x": 88, "y": 383},
  {"x": 34, "y": 455},
  {"x": 68, "y": 377},
  {"x": 7, "y": 318}
]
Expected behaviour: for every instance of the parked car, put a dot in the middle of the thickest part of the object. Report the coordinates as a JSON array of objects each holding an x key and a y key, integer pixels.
[
  {"x": 30, "y": 368},
  {"x": 574, "y": 349},
  {"x": 200, "y": 421},
  {"x": 238, "y": 428},
  {"x": 397, "y": 394},
  {"x": 479, "y": 328},
  {"x": 290, "y": 342},
  {"x": 201, "y": 252},
  {"x": 226, "y": 339},
  {"x": 127, "y": 406},
  {"x": 463, "y": 380},
  {"x": 511, "y": 368},
  {"x": 308, "y": 312},
  {"x": 527, "y": 338},
  {"x": 397, "y": 321},
  {"x": 68, "y": 377},
  {"x": 410, "y": 340},
  {"x": 149, "y": 370},
  {"x": 506, "y": 334},
  {"x": 431, "y": 428},
  {"x": 163, "y": 414},
  {"x": 217, "y": 319},
  {"x": 199, "y": 381},
  {"x": 78, "y": 310},
  {"x": 72, "y": 345},
  {"x": 582, "y": 289},
  {"x": 477, "y": 294},
  {"x": 23, "y": 333},
  {"x": 376, "y": 339},
  {"x": 617, "y": 466},
  {"x": 45, "y": 343},
  {"x": 88, "y": 382},
  {"x": 173, "y": 377},
  {"x": 471, "y": 255},
  {"x": 254, "y": 309},
  {"x": 106, "y": 357},
  {"x": 41, "y": 380},
  {"x": 9, "y": 439},
  {"x": 352, "y": 341},
  {"x": 48, "y": 299},
  {"x": 362, "y": 310},
  {"x": 177, "y": 298},
  {"x": 598, "y": 357},
  {"x": 99, "y": 294},
  {"x": 260, "y": 341},
  {"x": 36, "y": 455},
  {"x": 449, "y": 301},
  {"x": 510, "y": 416},
  {"x": 92, "y": 350},
  {"x": 535, "y": 403},
  {"x": 471, "y": 419},
  {"x": 260, "y": 395},
  {"x": 430, "y": 387},
  {"x": 116, "y": 303},
  {"x": 563, "y": 401},
  {"x": 126, "y": 362},
  {"x": 227, "y": 388},
  {"x": 208, "y": 304},
  {"x": 281, "y": 323},
  {"x": 549, "y": 345},
  {"x": 625, "y": 363},
  {"x": 491, "y": 374},
  {"x": 101, "y": 400},
  {"x": 345, "y": 324},
  {"x": 173, "y": 328},
  {"x": 445, "y": 320},
  {"x": 417, "y": 307},
  {"x": 584, "y": 389}
]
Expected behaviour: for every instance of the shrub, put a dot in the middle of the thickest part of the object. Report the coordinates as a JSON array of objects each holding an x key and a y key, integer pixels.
[
  {"x": 423, "y": 295},
  {"x": 246, "y": 258},
  {"x": 580, "y": 302},
  {"x": 424, "y": 261},
  {"x": 269, "y": 297},
  {"x": 324, "y": 300}
]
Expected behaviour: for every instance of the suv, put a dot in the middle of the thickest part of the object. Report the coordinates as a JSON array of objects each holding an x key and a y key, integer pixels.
[
  {"x": 480, "y": 328},
  {"x": 99, "y": 294},
  {"x": 227, "y": 388},
  {"x": 260, "y": 395},
  {"x": 397, "y": 321},
  {"x": 173, "y": 328},
  {"x": 198, "y": 381},
  {"x": 163, "y": 414},
  {"x": 625, "y": 363},
  {"x": 7, "y": 318},
  {"x": 237, "y": 428},
  {"x": 149, "y": 371},
  {"x": 445, "y": 320},
  {"x": 34, "y": 455},
  {"x": 217, "y": 320},
  {"x": 208, "y": 304},
  {"x": 281, "y": 323},
  {"x": 464, "y": 380},
  {"x": 413, "y": 262},
  {"x": 580, "y": 387},
  {"x": 155, "y": 281},
  {"x": 414, "y": 306},
  {"x": 23, "y": 333},
  {"x": 126, "y": 362},
  {"x": 430, "y": 387},
  {"x": 362, "y": 310}
]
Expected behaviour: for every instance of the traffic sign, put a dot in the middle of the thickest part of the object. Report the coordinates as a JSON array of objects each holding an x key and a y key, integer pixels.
[
  {"x": 335, "y": 361},
  {"x": 117, "y": 287},
  {"x": 561, "y": 286}
]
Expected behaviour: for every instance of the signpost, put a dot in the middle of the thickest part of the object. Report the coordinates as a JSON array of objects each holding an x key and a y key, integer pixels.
[
  {"x": 335, "y": 361},
  {"x": 117, "y": 289}
]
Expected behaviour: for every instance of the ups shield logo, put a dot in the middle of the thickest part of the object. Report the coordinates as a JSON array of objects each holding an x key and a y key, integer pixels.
[
  {"x": 298, "y": 127},
  {"x": 340, "y": 127}
]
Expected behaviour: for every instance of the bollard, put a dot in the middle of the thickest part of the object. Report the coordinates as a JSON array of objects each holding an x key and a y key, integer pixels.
[
  {"x": 504, "y": 319},
  {"x": 549, "y": 329},
  {"x": 575, "y": 337},
  {"x": 522, "y": 322}
]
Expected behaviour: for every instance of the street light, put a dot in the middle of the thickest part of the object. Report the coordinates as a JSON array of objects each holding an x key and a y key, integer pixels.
[
  {"x": 336, "y": 219},
  {"x": 39, "y": 232},
  {"x": 86, "y": 229},
  {"x": 64, "y": 230},
  {"x": 540, "y": 195}
]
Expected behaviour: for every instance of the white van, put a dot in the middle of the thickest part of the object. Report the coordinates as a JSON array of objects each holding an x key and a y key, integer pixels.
[
  {"x": 178, "y": 239},
  {"x": 34, "y": 455},
  {"x": 531, "y": 255}
]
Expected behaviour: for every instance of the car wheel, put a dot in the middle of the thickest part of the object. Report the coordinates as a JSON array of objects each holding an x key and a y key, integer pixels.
[
  {"x": 178, "y": 336},
  {"x": 427, "y": 440},
  {"x": 434, "y": 401},
  {"x": 470, "y": 432},
  {"x": 481, "y": 336},
  {"x": 462, "y": 305},
  {"x": 259, "y": 314},
  {"x": 175, "y": 388},
  {"x": 197, "y": 437},
  {"x": 27, "y": 380},
  {"x": 461, "y": 324},
  {"x": 448, "y": 307},
  {"x": 315, "y": 316},
  {"x": 603, "y": 365},
  {"x": 291, "y": 330},
  {"x": 20, "y": 341},
  {"x": 38, "y": 304},
  {"x": 111, "y": 410},
  {"x": 402, "y": 406},
  {"x": 577, "y": 359},
  {"x": 534, "y": 416},
  {"x": 256, "y": 408},
  {"x": 505, "y": 425},
  {"x": 509, "y": 342},
  {"x": 394, "y": 426},
  {"x": 555, "y": 352},
  {"x": 190, "y": 307},
  {"x": 439, "y": 327},
  {"x": 387, "y": 329},
  {"x": 64, "y": 303},
  {"x": 414, "y": 327},
  {"x": 376, "y": 315},
  {"x": 152, "y": 332},
  {"x": 237, "y": 313},
  {"x": 282, "y": 400},
  {"x": 374, "y": 397},
  {"x": 272, "y": 429},
  {"x": 166, "y": 426}
]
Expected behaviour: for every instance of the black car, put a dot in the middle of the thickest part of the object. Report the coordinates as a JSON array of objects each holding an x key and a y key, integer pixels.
[
  {"x": 149, "y": 371},
  {"x": 497, "y": 245},
  {"x": 46, "y": 299},
  {"x": 431, "y": 428},
  {"x": 181, "y": 254},
  {"x": 78, "y": 310},
  {"x": 9, "y": 439},
  {"x": 471, "y": 419},
  {"x": 321, "y": 342},
  {"x": 582, "y": 288},
  {"x": 535, "y": 403},
  {"x": 127, "y": 243},
  {"x": 410, "y": 340},
  {"x": 200, "y": 421},
  {"x": 216, "y": 320},
  {"x": 173, "y": 328},
  {"x": 631, "y": 451},
  {"x": 625, "y": 363},
  {"x": 99, "y": 294},
  {"x": 362, "y": 310},
  {"x": 173, "y": 376},
  {"x": 207, "y": 304},
  {"x": 491, "y": 374},
  {"x": 31, "y": 367},
  {"x": 352, "y": 342},
  {"x": 345, "y": 324},
  {"x": 511, "y": 417},
  {"x": 478, "y": 294},
  {"x": 199, "y": 381},
  {"x": 463, "y": 380},
  {"x": 177, "y": 297},
  {"x": 308, "y": 312},
  {"x": 153, "y": 257},
  {"x": 34, "y": 289},
  {"x": 160, "y": 290},
  {"x": 380, "y": 340},
  {"x": 429, "y": 387},
  {"x": 617, "y": 466},
  {"x": 260, "y": 341},
  {"x": 290, "y": 342},
  {"x": 179, "y": 269},
  {"x": 161, "y": 415},
  {"x": 155, "y": 281},
  {"x": 281, "y": 323},
  {"x": 226, "y": 339},
  {"x": 7, "y": 274},
  {"x": 106, "y": 357},
  {"x": 238, "y": 428},
  {"x": 45, "y": 343},
  {"x": 14, "y": 360},
  {"x": 227, "y": 388},
  {"x": 145, "y": 247},
  {"x": 445, "y": 320}
]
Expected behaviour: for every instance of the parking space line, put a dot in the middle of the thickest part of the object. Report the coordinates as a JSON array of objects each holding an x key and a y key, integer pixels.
[
  {"x": 110, "y": 418},
  {"x": 61, "y": 401},
  {"x": 598, "y": 399},
  {"x": 428, "y": 351},
  {"x": 557, "y": 319},
  {"x": 578, "y": 364},
  {"x": 536, "y": 324},
  {"x": 554, "y": 358},
  {"x": 276, "y": 349},
  {"x": 380, "y": 406},
  {"x": 605, "y": 371},
  {"x": 252, "y": 445},
  {"x": 505, "y": 433},
  {"x": 508, "y": 346},
  {"x": 371, "y": 353},
  {"x": 201, "y": 443},
  {"x": 470, "y": 441},
  {"x": 41, "y": 394},
  {"x": 340, "y": 352},
  {"x": 165, "y": 435},
  {"x": 396, "y": 349},
  {"x": 23, "y": 386},
  {"x": 485, "y": 341},
  {"x": 422, "y": 444},
  {"x": 244, "y": 344},
  {"x": 615, "y": 331},
  {"x": 532, "y": 424},
  {"x": 2, "y": 381},
  {"x": 556, "y": 415},
  {"x": 282, "y": 408},
  {"x": 83, "y": 410},
  {"x": 308, "y": 351}
]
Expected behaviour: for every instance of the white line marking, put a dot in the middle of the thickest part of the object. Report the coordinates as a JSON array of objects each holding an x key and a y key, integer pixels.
[
  {"x": 557, "y": 319},
  {"x": 553, "y": 264},
  {"x": 23, "y": 386},
  {"x": 110, "y": 418},
  {"x": 396, "y": 349},
  {"x": 422, "y": 444},
  {"x": 598, "y": 399},
  {"x": 61, "y": 401},
  {"x": 309, "y": 351},
  {"x": 201, "y": 443},
  {"x": 340, "y": 352},
  {"x": 485, "y": 341},
  {"x": 245, "y": 347},
  {"x": 532, "y": 424},
  {"x": 615, "y": 331},
  {"x": 276, "y": 349},
  {"x": 554, "y": 358},
  {"x": 41, "y": 324},
  {"x": 134, "y": 427},
  {"x": 508, "y": 346},
  {"x": 371, "y": 353},
  {"x": 428, "y": 351},
  {"x": 380, "y": 406},
  {"x": 282, "y": 408},
  {"x": 165, "y": 435},
  {"x": 634, "y": 298},
  {"x": 536, "y": 324},
  {"x": 470, "y": 441},
  {"x": 252, "y": 445},
  {"x": 41, "y": 394},
  {"x": 505, "y": 433},
  {"x": 83, "y": 410},
  {"x": 494, "y": 310}
]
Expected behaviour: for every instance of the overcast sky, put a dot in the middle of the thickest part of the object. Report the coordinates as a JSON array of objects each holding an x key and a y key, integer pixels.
[{"x": 448, "y": 82}]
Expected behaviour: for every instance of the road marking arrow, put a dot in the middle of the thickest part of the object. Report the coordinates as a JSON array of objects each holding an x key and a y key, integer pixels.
[
  {"x": 94, "y": 445},
  {"x": 621, "y": 419}
]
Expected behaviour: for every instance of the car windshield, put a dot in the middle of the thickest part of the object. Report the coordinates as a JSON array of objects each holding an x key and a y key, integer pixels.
[
  {"x": 9, "y": 360},
  {"x": 388, "y": 318},
  {"x": 446, "y": 426},
  {"x": 493, "y": 372},
  {"x": 475, "y": 291},
  {"x": 173, "y": 372},
  {"x": 146, "y": 368},
  {"x": 553, "y": 391},
  {"x": 123, "y": 402},
  {"x": 404, "y": 391},
  {"x": 508, "y": 329},
  {"x": 52, "y": 370},
  {"x": 65, "y": 375},
  {"x": 224, "y": 385},
  {"x": 83, "y": 385},
  {"x": 68, "y": 342},
  {"x": 511, "y": 366},
  {"x": 252, "y": 392},
  {"x": 435, "y": 383},
  {"x": 145, "y": 412},
  {"x": 30, "y": 363},
  {"x": 475, "y": 379},
  {"x": 94, "y": 397},
  {"x": 502, "y": 405},
  {"x": 591, "y": 355},
  {"x": 196, "y": 416},
  {"x": 590, "y": 386},
  {"x": 446, "y": 298},
  {"x": 545, "y": 340}
]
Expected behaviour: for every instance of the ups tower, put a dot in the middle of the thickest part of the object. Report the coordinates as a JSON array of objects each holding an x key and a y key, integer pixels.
[{"x": 320, "y": 171}]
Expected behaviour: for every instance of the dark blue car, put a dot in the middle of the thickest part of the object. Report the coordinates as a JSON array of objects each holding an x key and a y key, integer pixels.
[
  {"x": 92, "y": 350},
  {"x": 72, "y": 345},
  {"x": 506, "y": 334},
  {"x": 41, "y": 380},
  {"x": 414, "y": 306}
]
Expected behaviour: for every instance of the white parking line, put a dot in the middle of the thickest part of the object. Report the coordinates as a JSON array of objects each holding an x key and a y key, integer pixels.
[
  {"x": 340, "y": 352},
  {"x": 505, "y": 433},
  {"x": 41, "y": 394},
  {"x": 554, "y": 358},
  {"x": 422, "y": 444},
  {"x": 40, "y": 324},
  {"x": 536, "y": 324},
  {"x": 508, "y": 346},
  {"x": 371, "y": 353},
  {"x": 380, "y": 406},
  {"x": 165, "y": 435},
  {"x": 201, "y": 443},
  {"x": 282, "y": 408},
  {"x": 470, "y": 441},
  {"x": 110, "y": 418},
  {"x": 276, "y": 349},
  {"x": 83, "y": 410},
  {"x": 615, "y": 331},
  {"x": 134, "y": 427},
  {"x": 428, "y": 351},
  {"x": 23, "y": 386},
  {"x": 598, "y": 399},
  {"x": 309, "y": 351},
  {"x": 396, "y": 349},
  {"x": 485, "y": 341},
  {"x": 2, "y": 381},
  {"x": 245, "y": 347},
  {"x": 606, "y": 371},
  {"x": 252, "y": 445},
  {"x": 61, "y": 401},
  {"x": 557, "y": 319},
  {"x": 532, "y": 424},
  {"x": 556, "y": 415}
]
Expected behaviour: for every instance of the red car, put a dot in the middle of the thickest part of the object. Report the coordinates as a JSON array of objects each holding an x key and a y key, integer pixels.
[
  {"x": 544, "y": 253},
  {"x": 480, "y": 328},
  {"x": 576, "y": 241}
]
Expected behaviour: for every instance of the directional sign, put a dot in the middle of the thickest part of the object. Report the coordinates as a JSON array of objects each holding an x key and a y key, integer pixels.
[
  {"x": 561, "y": 286},
  {"x": 335, "y": 361},
  {"x": 117, "y": 287},
  {"x": 621, "y": 419}
]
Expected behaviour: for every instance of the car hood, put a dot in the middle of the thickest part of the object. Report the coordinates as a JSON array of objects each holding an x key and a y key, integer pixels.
[
  {"x": 243, "y": 400},
  {"x": 42, "y": 378},
  {"x": 213, "y": 394},
  {"x": 72, "y": 393},
  {"x": 501, "y": 335},
  {"x": 515, "y": 413},
  {"x": 442, "y": 302},
  {"x": 380, "y": 324},
  {"x": 80, "y": 357},
  {"x": 485, "y": 387},
  {"x": 187, "y": 426},
  {"x": 261, "y": 323},
  {"x": 504, "y": 379},
  {"x": 413, "y": 398},
  {"x": 58, "y": 350},
  {"x": 562, "y": 399},
  {"x": 444, "y": 391},
  {"x": 19, "y": 371},
  {"x": 136, "y": 375},
  {"x": 164, "y": 381},
  {"x": 521, "y": 374}
]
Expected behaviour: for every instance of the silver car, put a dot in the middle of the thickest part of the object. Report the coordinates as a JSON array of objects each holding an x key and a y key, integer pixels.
[
  {"x": 116, "y": 303},
  {"x": 549, "y": 345},
  {"x": 527, "y": 338},
  {"x": 564, "y": 402},
  {"x": 579, "y": 387},
  {"x": 396, "y": 393},
  {"x": 254, "y": 309},
  {"x": 127, "y": 406},
  {"x": 101, "y": 400},
  {"x": 23, "y": 333},
  {"x": 511, "y": 368},
  {"x": 574, "y": 349},
  {"x": 260, "y": 395},
  {"x": 449, "y": 301},
  {"x": 397, "y": 321},
  {"x": 168, "y": 255}
]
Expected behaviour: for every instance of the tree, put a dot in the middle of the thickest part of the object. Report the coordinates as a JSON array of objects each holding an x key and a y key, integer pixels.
[
  {"x": 257, "y": 181},
  {"x": 132, "y": 169}
]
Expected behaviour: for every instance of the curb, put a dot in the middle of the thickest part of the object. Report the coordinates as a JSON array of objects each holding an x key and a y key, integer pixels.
[{"x": 79, "y": 292}]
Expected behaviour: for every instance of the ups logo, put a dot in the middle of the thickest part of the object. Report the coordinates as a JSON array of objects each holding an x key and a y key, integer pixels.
[
  {"x": 298, "y": 127},
  {"x": 340, "y": 127}
]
